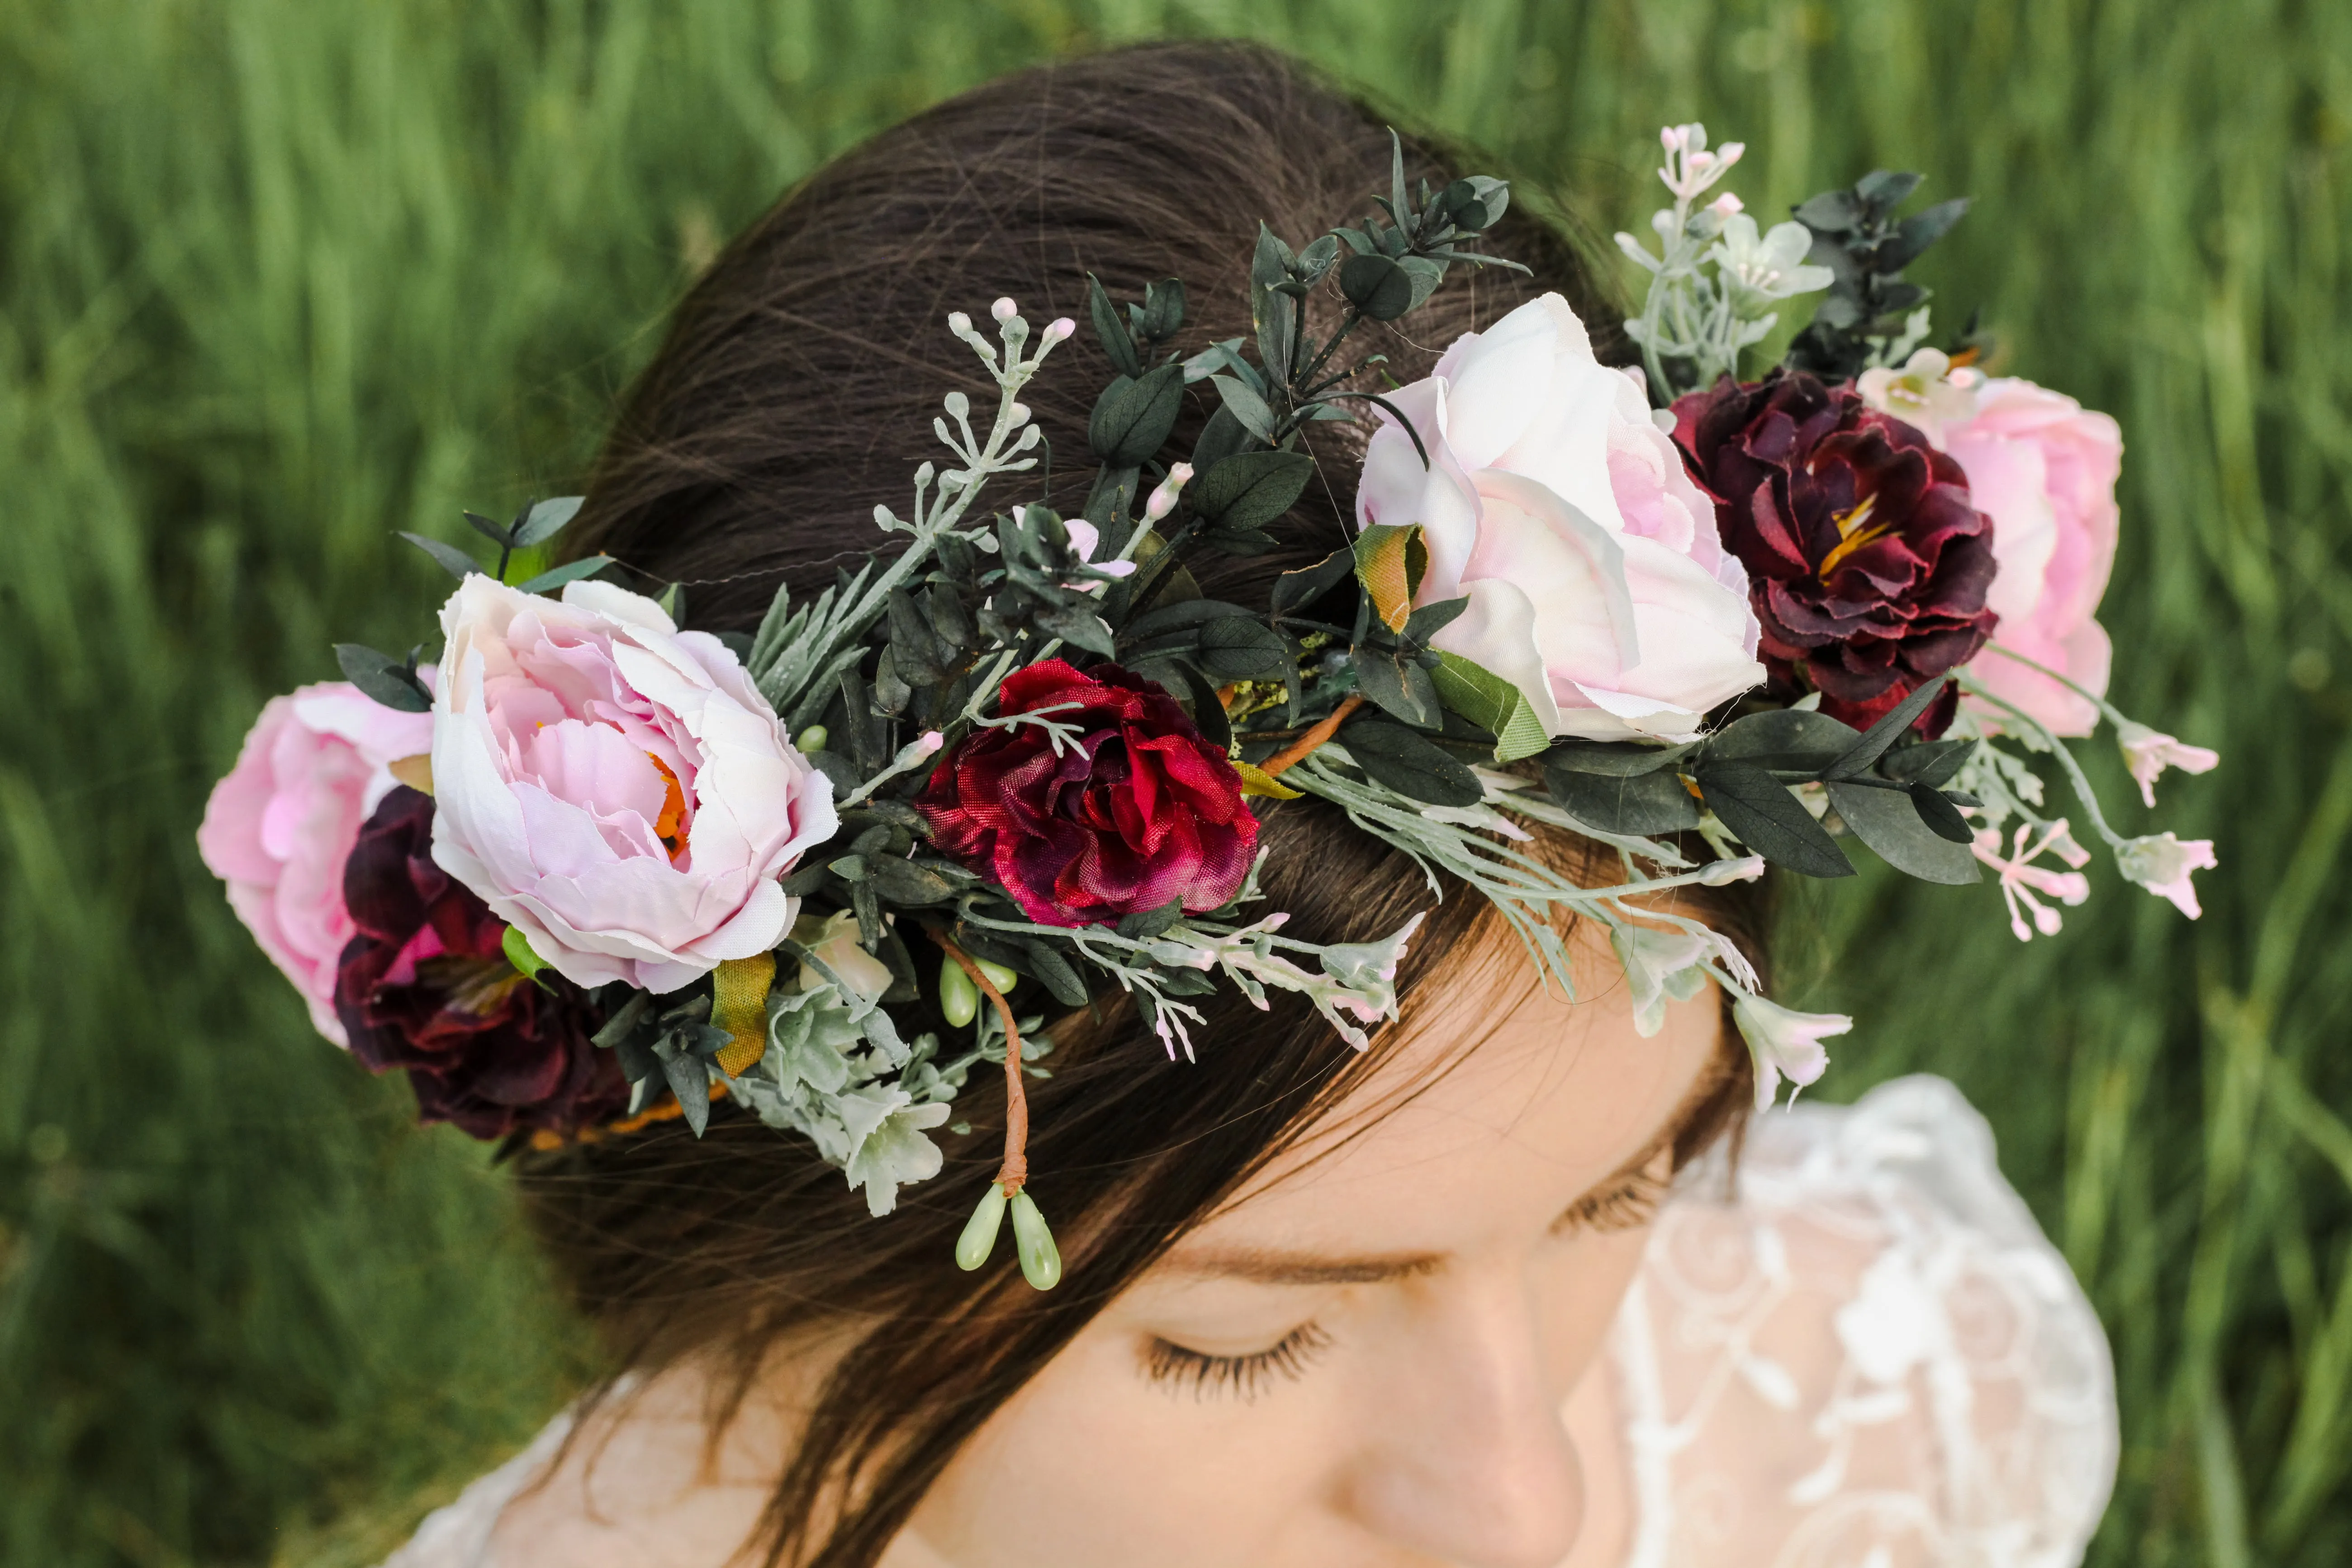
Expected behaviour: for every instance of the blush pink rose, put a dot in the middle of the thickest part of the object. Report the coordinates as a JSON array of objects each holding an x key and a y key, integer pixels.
[
  {"x": 279, "y": 828},
  {"x": 614, "y": 788},
  {"x": 2043, "y": 467},
  {"x": 1597, "y": 583}
]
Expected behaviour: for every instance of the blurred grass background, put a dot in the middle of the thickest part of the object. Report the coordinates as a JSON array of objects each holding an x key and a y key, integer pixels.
[{"x": 277, "y": 278}]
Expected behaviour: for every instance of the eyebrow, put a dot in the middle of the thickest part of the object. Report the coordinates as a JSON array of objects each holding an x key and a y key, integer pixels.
[{"x": 1269, "y": 1265}]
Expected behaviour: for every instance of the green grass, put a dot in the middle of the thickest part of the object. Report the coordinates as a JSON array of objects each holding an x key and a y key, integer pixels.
[{"x": 280, "y": 277}]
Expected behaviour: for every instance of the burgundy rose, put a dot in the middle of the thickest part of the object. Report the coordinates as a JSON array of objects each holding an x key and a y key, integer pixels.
[
  {"x": 426, "y": 986},
  {"x": 1867, "y": 562},
  {"x": 1137, "y": 810}
]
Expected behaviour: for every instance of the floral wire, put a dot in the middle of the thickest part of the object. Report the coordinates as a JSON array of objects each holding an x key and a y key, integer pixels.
[{"x": 1014, "y": 1173}]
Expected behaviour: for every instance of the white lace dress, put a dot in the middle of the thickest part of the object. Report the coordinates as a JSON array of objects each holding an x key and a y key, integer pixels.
[{"x": 1870, "y": 1358}]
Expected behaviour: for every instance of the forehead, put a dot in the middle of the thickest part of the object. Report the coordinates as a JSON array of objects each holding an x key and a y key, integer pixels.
[{"x": 1497, "y": 1103}]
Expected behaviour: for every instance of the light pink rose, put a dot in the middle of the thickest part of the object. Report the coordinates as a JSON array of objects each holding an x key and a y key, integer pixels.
[
  {"x": 2043, "y": 469},
  {"x": 1596, "y": 582},
  {"x": 614, "y": 788},
  {"x": 279, "y": 828}
]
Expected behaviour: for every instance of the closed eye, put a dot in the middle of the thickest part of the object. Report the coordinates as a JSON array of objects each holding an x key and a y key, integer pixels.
[
  {"x": 1628, "y": 1202},
  {"x": 1242, "y": 1376}
]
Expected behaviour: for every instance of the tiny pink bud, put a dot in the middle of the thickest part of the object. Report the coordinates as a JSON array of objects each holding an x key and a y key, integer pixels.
[
  {"x": 1060, "y": 327},
  {"x": 1726, "y": 204},
  {"x": 1004, "y": 309},
  {"x": 930, "y": 741},
  {"x": 1699, "y": 162},
  {"x": 1730, "y": 153},
  {"x": 1020, "y": 412}
]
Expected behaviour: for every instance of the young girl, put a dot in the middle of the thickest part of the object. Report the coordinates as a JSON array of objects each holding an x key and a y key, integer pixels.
[{"x": 1521, "y": 1285}]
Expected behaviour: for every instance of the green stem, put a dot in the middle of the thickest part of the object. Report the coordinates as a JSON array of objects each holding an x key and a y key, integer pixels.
[{"x": 2073, "y": 770}]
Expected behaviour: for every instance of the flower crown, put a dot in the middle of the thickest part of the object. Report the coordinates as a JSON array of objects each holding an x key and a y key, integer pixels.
[{"x": 588, "y": 870}]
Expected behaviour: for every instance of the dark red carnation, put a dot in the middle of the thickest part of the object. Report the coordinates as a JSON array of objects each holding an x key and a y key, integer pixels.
[
  {"x": 425, "y": 985},
  {"x": 1868, "y": 561},
  {"x": 1137, "y": 811}
]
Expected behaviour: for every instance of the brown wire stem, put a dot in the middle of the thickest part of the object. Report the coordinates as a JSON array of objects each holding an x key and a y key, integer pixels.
[
  {"x": 1298, "y": 750},
  {"x": 1014, "y": 1173}
]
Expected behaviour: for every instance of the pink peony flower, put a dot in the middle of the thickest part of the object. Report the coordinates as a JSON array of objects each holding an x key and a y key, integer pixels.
[
  {"x": 614, "y": 788},
  {"x": 2043, "y": 469},
  {"x": 279, "y": 828},
  {"x": 1597, "y": 581}
]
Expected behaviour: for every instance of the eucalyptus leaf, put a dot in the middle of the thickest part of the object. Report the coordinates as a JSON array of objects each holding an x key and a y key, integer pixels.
[
  {"x": 1790, "y": 738},
  {"x": 1245, "y": 406},
  {"x": 1888, "y": 730},
  {"x": 570, "y": 572},
  {"x": 546, "y": 519},
  {"x": 1118, "y": 346},
  {"x": 386, "y": 679},
  {"x": 1132, "y": 417},
  {"x": 451, "y": 559},
  {"x": 1409, "y": 764},
  {"x": 1618, "y": 758},
  {"x": 1250, "y": 490},
  {"x": 1888, "y": 821},
  {"x": 1769, "y": 820},
  {"x": 1297, "y": 590},
  {"x": 1377, "y": 286},
  {"x": 1623, "y": 802},
  {"x": 496, "y": 532}
]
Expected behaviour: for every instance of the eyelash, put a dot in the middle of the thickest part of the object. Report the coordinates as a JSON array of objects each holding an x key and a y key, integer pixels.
[
  {"x": 1629, "y": 1205},
  {"x": 1244, "y": 1376}
]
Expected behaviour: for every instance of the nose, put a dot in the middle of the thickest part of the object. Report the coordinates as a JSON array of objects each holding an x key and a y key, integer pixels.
[{"x": 1470, "y": 1461}]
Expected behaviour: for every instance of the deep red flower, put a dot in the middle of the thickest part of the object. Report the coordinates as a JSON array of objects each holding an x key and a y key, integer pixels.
[
  {"x": 1137, "y": 811},
  {"x": 425, "y": 985},
  {"x": 1868, "y": 561}
]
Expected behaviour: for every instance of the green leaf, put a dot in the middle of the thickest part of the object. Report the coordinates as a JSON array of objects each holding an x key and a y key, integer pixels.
[
  {"x": 1297, "y": 590},
  {"x": 1222, "y": 436},
  {"x": 1146, "y": 924},
  {"x": 1886, "y": 733},
  {"x": 519, "y": 952},
  {"x": 1400, "y": 687},
  {"x": 1617, "y": 759},
  {"x": 1789, "y": 738},
  {"x": 1887, "y": 821},
  {"x": 543, "y": 521},
  {"x": 452, "y": 560},
  {"x": 383, "y": 677},
  {"x": 496, "y": 532},
  {"x": 1189, "y": 615},
  {"x": 1111, "y": 331},
  {"x": 1769, "y": 820},
  {"x": 1431, "y": 619},
  {"x": 1132, "y": 417},
  {"x": 1272, "y": 313},
  {"x": 1057, "y": 973},
  {"x": 1410, "y": 765},
  {"x": 1238, "y": 647},
  {"x": 689, "y": 1079},
  {"x": 1245, "y": 406},
  {"x": 1932, "y": 763},
  {"x": 1377, "y": 286},
  {"x": 1623, "y": 802},
  {"x": 1491, "y": 702},
  {"x": 1942, "y": 814},
  {"x": 1250, "y": 490},
  {"x": 570, "y": 572},
  {"x": 904, "y": 882},
  {"x": 1163, "y": 309}
]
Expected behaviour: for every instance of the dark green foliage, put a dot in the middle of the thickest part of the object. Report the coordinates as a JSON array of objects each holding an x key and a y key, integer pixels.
[
  {"x": 1857, "y": 237},
  {"x": 405, "y": 274}
]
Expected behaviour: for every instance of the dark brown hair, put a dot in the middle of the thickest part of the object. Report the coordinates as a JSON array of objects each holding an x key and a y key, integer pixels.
[{"x": 795, "y": 390}]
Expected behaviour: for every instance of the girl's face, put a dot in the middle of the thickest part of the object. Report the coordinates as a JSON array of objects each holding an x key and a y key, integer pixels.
[{"x": 1361, "y": 1362}]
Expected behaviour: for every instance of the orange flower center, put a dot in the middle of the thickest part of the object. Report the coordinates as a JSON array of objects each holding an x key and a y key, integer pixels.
[
  {"x": 673, "y": 811},
  {"x": 1853, "y": 532}
]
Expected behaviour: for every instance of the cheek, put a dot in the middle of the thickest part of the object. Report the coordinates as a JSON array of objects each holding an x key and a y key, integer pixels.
[{"x": 1091, "y": 1465}]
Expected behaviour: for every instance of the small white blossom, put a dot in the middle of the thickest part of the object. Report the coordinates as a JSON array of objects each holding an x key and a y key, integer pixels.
[
  {"x": 2148, "y": 753},
  {"x": 2162, "y": 864},
  {"x": 1785, "y": 1042},
  {"x": 1769, "y": 265}
]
